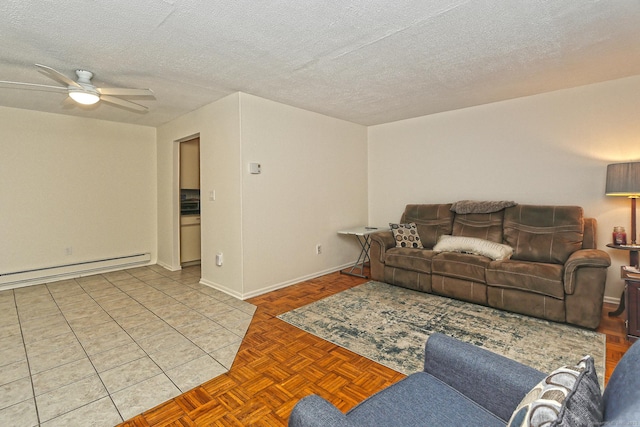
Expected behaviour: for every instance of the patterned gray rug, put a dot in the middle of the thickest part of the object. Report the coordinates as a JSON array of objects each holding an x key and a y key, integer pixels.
[{"x": 390, "y": 325}]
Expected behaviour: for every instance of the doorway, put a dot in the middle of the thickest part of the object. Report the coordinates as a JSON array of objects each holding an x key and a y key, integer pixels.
[{"x": 190, "y": 229}]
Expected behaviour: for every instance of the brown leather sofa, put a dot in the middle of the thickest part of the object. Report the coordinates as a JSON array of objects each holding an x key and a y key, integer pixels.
[{"x": 555, "y": 272}]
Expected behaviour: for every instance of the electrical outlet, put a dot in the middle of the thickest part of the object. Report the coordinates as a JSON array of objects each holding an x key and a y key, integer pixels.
[
  {"x": 318, "y": 249},
  {"x": 68, "y": 251}
]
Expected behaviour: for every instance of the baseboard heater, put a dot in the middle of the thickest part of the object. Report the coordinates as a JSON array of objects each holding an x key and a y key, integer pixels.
[{"x": 68, "y": 271}]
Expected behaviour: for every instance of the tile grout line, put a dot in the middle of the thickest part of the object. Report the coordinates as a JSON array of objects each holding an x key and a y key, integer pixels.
[
  {"x": 62, "y": 307},
  {"x": 168, "y": 324},
  {"x": 135, "y": 341},
  {"x": 26, "y": 356},
  {"x": 89, "y": 357},
  {"x": 85, "y": 352}
]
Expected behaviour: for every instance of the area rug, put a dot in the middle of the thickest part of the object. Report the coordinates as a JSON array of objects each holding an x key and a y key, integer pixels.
[{"x": 390, "y": 325}]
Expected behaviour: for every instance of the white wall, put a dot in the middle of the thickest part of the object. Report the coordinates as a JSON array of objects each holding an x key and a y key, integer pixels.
[
  {"x": 551, "y": 148},
  {"x": 108, "y": 189},
  {"x": 313, "y": 183},
  {"x": 70, "y": 182},
  {"x": 218, "y": 125}
]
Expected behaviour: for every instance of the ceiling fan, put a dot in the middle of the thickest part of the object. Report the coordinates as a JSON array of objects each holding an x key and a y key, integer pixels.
[{"x": 83, "y": 91}]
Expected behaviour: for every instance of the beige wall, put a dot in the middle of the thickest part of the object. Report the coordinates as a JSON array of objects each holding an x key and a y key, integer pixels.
[
  {"x": 551, "y": 148},
  {"x": 107, "y": 189},
  {"x": 70, "y": 182},
  {"x": 218, "y": 125},
  {"x": 313, "y": 183}
]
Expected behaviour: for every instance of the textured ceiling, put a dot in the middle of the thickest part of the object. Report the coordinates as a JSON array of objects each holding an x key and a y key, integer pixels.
[{"x": 366, "y": 61}]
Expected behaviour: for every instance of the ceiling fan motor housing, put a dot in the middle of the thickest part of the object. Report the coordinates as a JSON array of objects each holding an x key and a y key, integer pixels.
[
  {"x": 84, "y": 76},
  {"x": 87, "y": 94}
]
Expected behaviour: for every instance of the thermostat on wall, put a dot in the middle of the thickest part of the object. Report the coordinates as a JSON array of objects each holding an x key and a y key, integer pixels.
[{"x": 254, "y": 168}]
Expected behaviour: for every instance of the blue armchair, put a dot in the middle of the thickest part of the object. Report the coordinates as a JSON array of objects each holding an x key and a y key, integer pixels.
[{"x": 464, "y": 385}]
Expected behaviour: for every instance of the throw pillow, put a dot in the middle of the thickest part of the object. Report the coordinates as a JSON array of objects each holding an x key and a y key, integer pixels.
[
  {"x": 406, "y": 235},
  {"x": 471, "y": 206},
  {"x": 569, "y": 396},
  {"x": 473, "y": 245}
]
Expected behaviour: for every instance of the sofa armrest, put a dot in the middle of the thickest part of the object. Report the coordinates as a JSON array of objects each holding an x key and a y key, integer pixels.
[
  {"x": 579, "y": 259},
  {"x": 496, "y": 383},
  {"x": 380, "y": 242},
  {"x": 385, "y": 240},
  {"x": 314, "y": 411}
]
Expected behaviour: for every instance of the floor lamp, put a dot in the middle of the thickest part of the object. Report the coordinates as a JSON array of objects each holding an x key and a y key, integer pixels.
[{"x": 623, "y": 179}]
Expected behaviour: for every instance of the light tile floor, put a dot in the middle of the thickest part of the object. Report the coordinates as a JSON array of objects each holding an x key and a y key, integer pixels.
[{"x": 107, "y": 347}]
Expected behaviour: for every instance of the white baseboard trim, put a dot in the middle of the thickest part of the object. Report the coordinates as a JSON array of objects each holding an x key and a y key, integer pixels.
[
  {"x": 274, "y": 287},
  {"x": 38, "y": 276},
  {"x": 221, "y": 288},
  {"x": 612, "y": 300},
  {"x": 244, "y": 296},
  {"x": 168, "y": 267},
  {"x": 294, "y": 281}
]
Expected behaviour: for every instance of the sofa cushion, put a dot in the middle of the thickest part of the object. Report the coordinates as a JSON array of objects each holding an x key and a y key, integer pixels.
[
  {"x": 543, "y": 233},
  {"x": 414, "y": 280},
  {"x": 541, "y": 278},
  {"x": 421, "y": 400},
  {"x": 461, "y": 289},
  {"x": 569, "y": 396},
  {"x": 432, "y": 221},
  {"x": 406, "y": 235},
  {"x": 461, "y": 266},
  {"x": 410, "y": 259},
  {"x": 589, "y": 239},
  {"x": 525, "y": 302},
  {"x": 472, "y": 245},
  {"x": 487, "y": 226}
]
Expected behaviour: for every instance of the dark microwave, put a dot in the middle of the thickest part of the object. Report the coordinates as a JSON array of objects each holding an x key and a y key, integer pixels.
[{"x": 190, "y": 207}]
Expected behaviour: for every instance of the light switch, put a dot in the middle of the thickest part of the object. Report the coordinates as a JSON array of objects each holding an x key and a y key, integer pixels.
[{"x": 212, "y": 195}]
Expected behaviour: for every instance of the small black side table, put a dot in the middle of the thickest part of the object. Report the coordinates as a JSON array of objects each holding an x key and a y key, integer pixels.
[{"x": 633, "y": 260}]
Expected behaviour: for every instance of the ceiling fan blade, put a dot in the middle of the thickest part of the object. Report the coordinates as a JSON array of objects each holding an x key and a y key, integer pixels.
[
  {"x": 123, "y": 103},
  {"x": 58, "y": 76},
  {"x": 116, "y": 91},
  {"x": 33, "y": 86}
]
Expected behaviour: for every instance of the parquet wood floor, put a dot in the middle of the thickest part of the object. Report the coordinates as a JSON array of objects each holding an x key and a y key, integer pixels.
[{"x": 278, "y": 364}]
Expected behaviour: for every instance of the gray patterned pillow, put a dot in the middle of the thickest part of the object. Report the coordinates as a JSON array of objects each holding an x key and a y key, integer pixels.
[
  {"x": 569, "y": 396},
  {"x": 406, "y": 235}
]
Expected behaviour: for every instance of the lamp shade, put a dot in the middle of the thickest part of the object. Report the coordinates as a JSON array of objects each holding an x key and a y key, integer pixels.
[{"x": 623, "y": 179}]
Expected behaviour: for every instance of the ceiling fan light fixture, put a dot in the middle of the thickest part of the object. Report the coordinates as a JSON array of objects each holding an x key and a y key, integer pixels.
[
  {"x": 85, "y": 98},
  {"x": 84, "y": 92}
]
